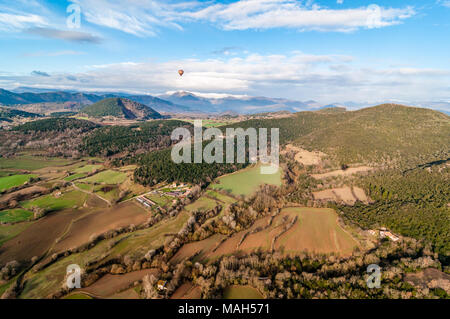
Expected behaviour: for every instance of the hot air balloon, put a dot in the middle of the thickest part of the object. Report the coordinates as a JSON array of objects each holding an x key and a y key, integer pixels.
[{"x": 180, "y": 72}]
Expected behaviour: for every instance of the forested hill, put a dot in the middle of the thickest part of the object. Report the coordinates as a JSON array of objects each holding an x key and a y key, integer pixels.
[
  {"x": 389, "y": 133},
  {"x": 8, "y": 113},
  {"x": 145, "y": 137},
  {"x": 56, "y": 125},
  {"x": 11, "y": 98},
  {"x": 121, "y": 108}
]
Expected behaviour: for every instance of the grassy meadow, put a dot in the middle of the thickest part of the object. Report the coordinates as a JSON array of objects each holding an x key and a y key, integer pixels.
[
  {"x": 246, "y": 182},
  {"x": 8, "y": 182}
]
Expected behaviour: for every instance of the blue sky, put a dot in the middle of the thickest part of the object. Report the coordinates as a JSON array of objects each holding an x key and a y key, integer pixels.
[{"x": 329, "y": 51}]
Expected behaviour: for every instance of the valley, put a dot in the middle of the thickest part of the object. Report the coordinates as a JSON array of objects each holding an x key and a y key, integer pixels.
[{"x": 108, "y": 198}]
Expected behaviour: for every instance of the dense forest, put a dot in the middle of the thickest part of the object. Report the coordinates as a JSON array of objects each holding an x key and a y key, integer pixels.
[
  {"x": 146, "y": 137},
  {"x": 121, "y": 108},
  {"x": 8, "y": 113},
  {"x": 413, "y": 204},
  {"x": 158, "y": 166},
  {"x": 56, "y": 125}
]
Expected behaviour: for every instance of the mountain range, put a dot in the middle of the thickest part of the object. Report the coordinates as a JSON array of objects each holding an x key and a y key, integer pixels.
[{"x": 188, "y": 102}]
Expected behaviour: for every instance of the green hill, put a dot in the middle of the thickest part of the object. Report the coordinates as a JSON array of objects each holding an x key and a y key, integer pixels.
[
  {"x": 56, "y": 124},
  {"x": 120, "y": 108},
  {"x": 388, "y": 133},
  {"x": 8, "y": 113}
]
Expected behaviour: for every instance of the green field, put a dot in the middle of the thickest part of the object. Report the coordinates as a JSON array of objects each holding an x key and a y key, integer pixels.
[
  {"x": 31, "y": 163},
  {"x": 246, "y": 181},
  {"x": 241, "y": 292},
  {"x": 74, "y": 176},
  {"x": 87, "y": 168},
  {"x": 109, "y": 195},
  {"x": 14, "y": 180},
  {"x": 86, "y": 187},
  {"x": 161, "y": 201},
  {"x": 10, "y": 231},
  {"x": 50, "y": 203},
  {"x": 109, "y": 177},
  {"x": 139, "y": 242},
  {"x": 15, "y": 215},
  {"x": 49, "y": 279},
  {"x": 201, "y": 204}
]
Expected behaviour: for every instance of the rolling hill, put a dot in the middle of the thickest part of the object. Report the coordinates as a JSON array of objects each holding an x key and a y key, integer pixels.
[
  {"x": 387, "y": 133},
  {"x": 120, "y": 108},
  {"x": 8, "y": 113},
  {"x": 11, "y": 98}
]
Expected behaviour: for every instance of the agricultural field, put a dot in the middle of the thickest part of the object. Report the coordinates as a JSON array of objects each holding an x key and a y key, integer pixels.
[
  {"x": 96, "y": 222},
  {"x": 87, "y": 168},
  {"x": 74, "y": 177},
  {"x": 314, "y": 230},
  {"x": 8, "y": 182},
  {"x": 161, "y": 201},
  {"x": 28, "y": 162},
  {"x": 109, "y": 285},
  {"x": 78, "y": 296},
  {"x": 241, "y": 292},
  {"x": 187, "y": 291},
  {"x": 8, "y": 232},
  {"x": 202, "y": 204},
  {"x": 317, "y": 230},
  {"x": 139, "y": 242},
  {"x": 48, "y": 280},
  {"x": 52, "y": 202},
  {"x": 246, "y": 182},
  {"x": 15, "y": 215},
  {"x": 22, "y": 244},
  {"x": 107, "y": 177}
]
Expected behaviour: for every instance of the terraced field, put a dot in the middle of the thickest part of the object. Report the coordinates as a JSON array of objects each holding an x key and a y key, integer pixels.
[
  {"x": 8, "y": 182},
  {"x": 51, "y": 203},
  {"x": 317, "y": 230}
]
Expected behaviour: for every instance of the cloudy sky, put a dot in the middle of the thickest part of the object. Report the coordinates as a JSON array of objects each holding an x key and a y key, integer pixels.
[{"x": 325, "y": 50}]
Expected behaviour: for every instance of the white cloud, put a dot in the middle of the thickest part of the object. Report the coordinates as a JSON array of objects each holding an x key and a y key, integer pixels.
[
  {"x": 14, "y": 22},
  {"x": 444, "y": 3},
  {"x": 265, "y": 14},
  {"x": 141, "y": 18},
  {"x": 325, "y": 78},
  {"x": 144, "y": 18}
]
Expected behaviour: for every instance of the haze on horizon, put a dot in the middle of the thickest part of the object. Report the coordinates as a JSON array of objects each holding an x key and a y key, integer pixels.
[{"x": 328, "y": 51}]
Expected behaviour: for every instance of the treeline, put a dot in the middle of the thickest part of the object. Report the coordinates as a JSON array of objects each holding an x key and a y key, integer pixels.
[
  {"x": 56, "y": 125},
  {"x": 146, "y": 137},
  {"x": 8, "y": 113},
  {"x": 413, "y": 204}
]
